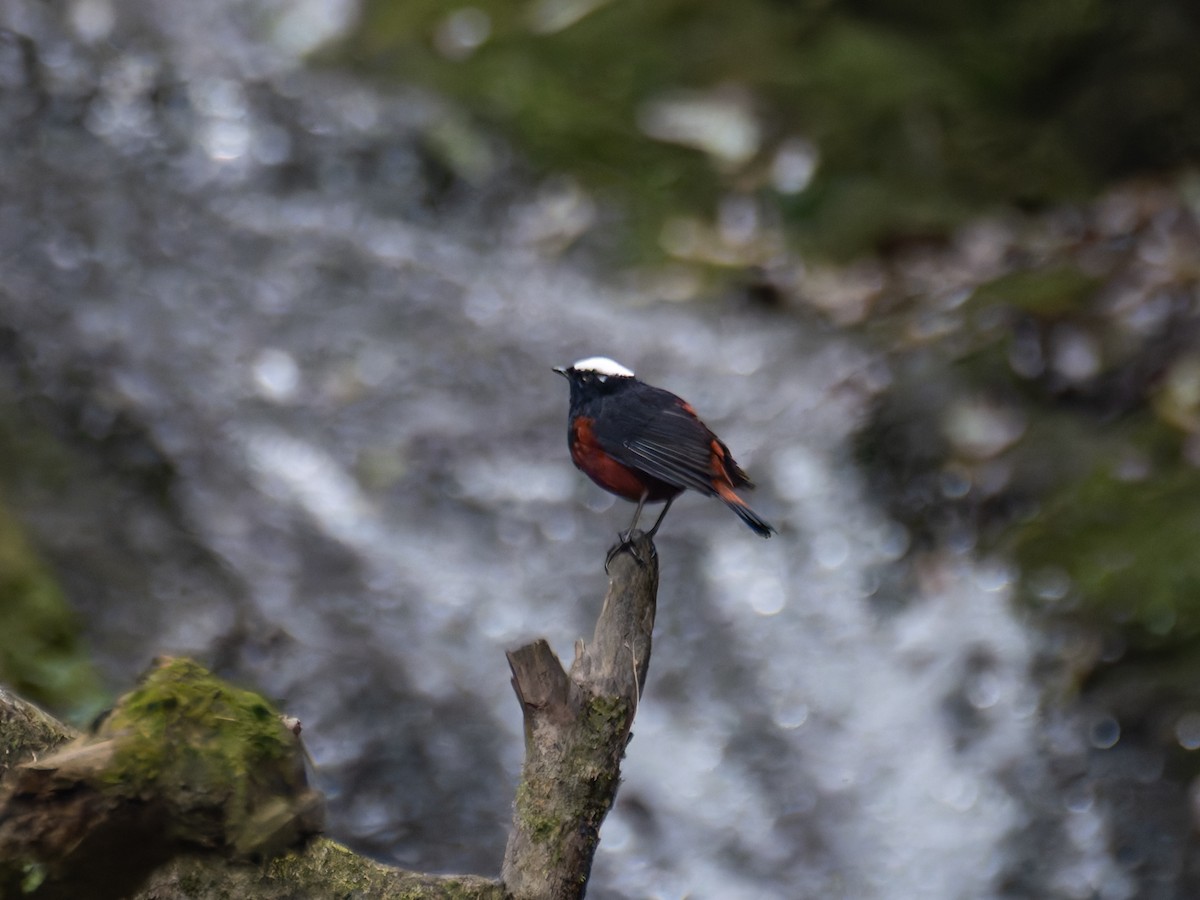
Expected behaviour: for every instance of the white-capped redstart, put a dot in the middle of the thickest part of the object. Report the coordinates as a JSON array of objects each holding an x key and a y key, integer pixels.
[{"x": 647, "y": 445}]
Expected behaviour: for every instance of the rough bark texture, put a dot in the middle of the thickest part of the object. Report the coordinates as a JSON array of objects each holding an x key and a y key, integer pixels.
[
  {"x": 576, "y": 730},
  {"x": 26, "y": 732}
]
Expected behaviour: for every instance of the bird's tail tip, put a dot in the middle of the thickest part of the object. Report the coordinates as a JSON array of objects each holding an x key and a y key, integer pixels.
[{"x": 757, "y": 523}]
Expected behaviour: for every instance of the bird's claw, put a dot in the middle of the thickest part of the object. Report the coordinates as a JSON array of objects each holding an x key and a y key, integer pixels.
[{"x": 626, "y": 541}]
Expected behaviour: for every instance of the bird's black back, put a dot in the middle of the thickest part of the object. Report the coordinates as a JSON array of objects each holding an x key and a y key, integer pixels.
[{"x": 654, "y": 431}]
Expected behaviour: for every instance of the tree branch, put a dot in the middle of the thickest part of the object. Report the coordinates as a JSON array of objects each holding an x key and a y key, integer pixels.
[{"x": 576, "y": 730}]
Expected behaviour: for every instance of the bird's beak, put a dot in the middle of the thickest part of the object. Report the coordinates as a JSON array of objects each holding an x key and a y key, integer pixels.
[{"x": 561, "y": 370}]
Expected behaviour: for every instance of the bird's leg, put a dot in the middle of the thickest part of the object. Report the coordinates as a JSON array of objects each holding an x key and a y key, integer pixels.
[
  {"x": 625, "y": 538},
  {"x": 662, "y": 515},
  {"x": 637, "y": 514}
]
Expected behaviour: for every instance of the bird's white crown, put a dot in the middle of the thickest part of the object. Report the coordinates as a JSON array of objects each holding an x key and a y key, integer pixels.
[{"x": 602, "y": 365}]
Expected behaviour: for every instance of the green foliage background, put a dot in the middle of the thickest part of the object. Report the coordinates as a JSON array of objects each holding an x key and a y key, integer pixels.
[{"x": 923, "y": 113}]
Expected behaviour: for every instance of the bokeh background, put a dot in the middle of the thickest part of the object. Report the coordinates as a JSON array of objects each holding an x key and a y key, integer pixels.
[{"x": 281, "y": 284}]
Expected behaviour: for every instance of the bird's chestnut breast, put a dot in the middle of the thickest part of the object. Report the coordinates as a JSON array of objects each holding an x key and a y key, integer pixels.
[{"x": 613, "y": 476}]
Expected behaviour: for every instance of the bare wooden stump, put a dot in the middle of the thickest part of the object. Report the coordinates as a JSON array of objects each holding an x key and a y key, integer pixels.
[{"x": 577, "y": 725}]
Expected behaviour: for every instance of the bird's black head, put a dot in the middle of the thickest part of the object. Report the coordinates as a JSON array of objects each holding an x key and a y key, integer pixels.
[{"x": 595, "y": 377}]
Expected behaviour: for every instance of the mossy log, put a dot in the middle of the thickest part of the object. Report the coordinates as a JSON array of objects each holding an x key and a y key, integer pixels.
[
  {"x": 194, "y": 789},
  {"x": 183, "y": 763},
  {"x": 325, "y": 870}
]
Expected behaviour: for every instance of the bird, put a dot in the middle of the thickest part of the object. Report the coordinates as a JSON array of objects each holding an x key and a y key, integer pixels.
[{"x": 647, "y": 445}]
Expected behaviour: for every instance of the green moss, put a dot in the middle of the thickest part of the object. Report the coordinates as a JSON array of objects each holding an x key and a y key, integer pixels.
[
  {"x": 185, "y": 724},
  {"x": 198, "y": 745},
  {"x": 327, "y": 869},
  {"x": 534, "y": 811},
  {"x": 34, "y": 875},
  {"x": 41, "y": 655},
  {"x": 602, "y": 716}
]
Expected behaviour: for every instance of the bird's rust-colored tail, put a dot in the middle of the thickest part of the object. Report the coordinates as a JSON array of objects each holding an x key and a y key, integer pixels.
[{"x": 757, "y": 523}]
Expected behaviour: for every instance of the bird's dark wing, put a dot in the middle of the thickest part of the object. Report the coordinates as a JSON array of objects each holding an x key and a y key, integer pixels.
[
  {"x": 666, "y": 442},
  {"x": 678, "y": 448}
]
